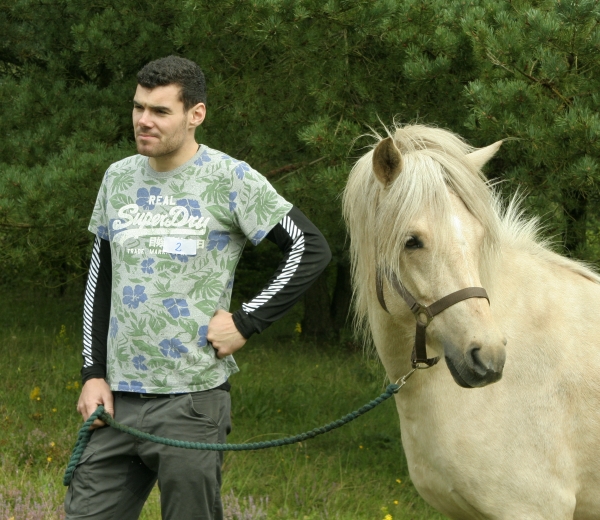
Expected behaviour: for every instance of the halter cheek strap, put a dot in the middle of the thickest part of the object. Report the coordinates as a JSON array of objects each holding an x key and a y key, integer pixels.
[{"x": 424, "y": 315}]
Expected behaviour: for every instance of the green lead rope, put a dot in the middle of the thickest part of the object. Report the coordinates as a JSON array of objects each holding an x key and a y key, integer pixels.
[{"x": 85, "y": 433}]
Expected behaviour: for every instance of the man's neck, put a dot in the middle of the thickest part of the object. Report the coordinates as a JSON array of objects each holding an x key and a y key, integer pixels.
[{"x": 175, "y": 159}]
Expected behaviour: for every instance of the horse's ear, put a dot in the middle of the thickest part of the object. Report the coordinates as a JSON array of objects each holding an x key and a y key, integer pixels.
[
  {"x": 479, "y": 157},
  {"x": 387, "y": 161}
]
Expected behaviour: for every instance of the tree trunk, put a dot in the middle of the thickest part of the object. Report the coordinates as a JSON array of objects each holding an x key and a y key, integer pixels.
[
  {"x": 575, "y": 208},
  {"x": 342, "y": 296},
  {"x": 317, "y": 322}
]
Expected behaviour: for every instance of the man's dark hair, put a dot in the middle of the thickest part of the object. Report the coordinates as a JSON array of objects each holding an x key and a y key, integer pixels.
[{"x": 174, "y": 70}]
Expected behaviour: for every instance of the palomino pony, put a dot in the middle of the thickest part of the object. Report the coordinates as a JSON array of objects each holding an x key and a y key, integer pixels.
[{"x": 424, "y": 224}]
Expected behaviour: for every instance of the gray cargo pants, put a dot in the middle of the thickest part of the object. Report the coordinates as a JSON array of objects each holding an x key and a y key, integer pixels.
[{"x": 117, "y": 471}]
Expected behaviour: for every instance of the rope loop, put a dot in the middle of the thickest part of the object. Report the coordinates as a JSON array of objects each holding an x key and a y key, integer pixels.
[{"x": 85, "y": 433}]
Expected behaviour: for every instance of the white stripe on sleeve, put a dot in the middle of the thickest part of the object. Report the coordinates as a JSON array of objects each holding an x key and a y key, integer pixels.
[
  {"x": 287, "y": 272},
  {"x": 88, "y": 305}
]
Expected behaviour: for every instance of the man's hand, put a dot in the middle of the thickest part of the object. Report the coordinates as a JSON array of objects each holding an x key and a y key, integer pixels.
[
  {"x": 95, "y": 392},
  {"x": 223, "y": 334}
]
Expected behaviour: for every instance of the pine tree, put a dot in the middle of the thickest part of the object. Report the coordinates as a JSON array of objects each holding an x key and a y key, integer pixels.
[
  {"x": 540, "y": 87},
  {"x": 292, "y": 84},
  {"x": 292, "y": 87}
]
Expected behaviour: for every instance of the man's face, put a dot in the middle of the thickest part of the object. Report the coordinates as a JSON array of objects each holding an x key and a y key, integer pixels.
[{"x": 160, "y": 123}]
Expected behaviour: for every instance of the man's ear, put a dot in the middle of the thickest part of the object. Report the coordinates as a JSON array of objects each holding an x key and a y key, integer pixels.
[{"x": 197, "y": 114}]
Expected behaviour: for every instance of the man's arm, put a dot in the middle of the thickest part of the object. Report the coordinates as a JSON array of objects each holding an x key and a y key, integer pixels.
[
  {"x": 306, "y": 254},
  {"x": 96, "y": 316}
]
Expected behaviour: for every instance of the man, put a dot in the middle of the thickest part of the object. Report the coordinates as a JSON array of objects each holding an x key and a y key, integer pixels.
[{"x": 170, "y": 226}]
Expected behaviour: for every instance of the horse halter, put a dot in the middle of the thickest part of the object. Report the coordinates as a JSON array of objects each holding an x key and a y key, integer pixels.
[{"x": 424, "y": 315}]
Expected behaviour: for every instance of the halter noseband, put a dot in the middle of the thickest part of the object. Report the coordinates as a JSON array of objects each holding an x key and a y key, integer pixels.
[{"x": 424, "y": 315}]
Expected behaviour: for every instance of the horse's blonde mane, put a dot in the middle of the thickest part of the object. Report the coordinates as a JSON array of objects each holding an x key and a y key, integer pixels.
[{"x": 433, "y": 161}]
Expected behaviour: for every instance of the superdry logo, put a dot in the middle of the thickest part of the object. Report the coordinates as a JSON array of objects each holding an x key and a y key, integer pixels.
[{"x": 134, "y": 223}]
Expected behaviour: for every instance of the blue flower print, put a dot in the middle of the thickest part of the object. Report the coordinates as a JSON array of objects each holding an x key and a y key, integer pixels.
[
  {"x": 146, "y": 265},
  {"x": 232, "y": 196},
  {"x": 191, "y": 205},
  {"x": 172, "y": 348},
  {"x": 103, "y": 232},
  {"x": 225, "y": 156},
  {"x": 230, "y": 284},
  {"x": 133, "y": 297},
  {"x": 134, "y": 386},
  {"x": 202, "y": 332},
  {"x": 138, "y": 362},
  {"x": 241, "y": 169},
  {"x": 259, "y": 235},
  {"x": 181, "y": 258},
  {"x": 144, "y": 199},
  {"x": 218, "y": 239},
  {"x": 176, "y": 307},
  {"x": 204, "y": 158},
  {"x": 114, "y": 327}
]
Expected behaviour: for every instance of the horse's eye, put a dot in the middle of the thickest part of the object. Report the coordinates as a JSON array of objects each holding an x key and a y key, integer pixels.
[{"x": 413, "y": 243}]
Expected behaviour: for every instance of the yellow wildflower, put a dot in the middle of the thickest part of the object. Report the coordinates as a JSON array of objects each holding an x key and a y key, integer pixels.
[
  {"x": 35, "y": 393},
  {"x": 360, "y": 447},
  {"x": 298, "y": 328},
  {"x": 399, "y": 481},
  {"x": 76, "y": 385},
  {"x": 395, "y": 502},
  {"x": 49, "y": 459},
  {"x": 52, "y": 444},
  {"x": 388, "y": 517},
  {"x": 54, "y": 409}
]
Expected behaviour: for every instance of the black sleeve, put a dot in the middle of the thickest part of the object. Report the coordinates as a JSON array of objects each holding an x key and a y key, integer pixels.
[
  {"x": 96, "y": 311},
  {"x": 306, "y": 255}
]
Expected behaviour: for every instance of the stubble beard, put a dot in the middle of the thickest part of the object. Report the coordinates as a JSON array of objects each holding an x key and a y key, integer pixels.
[{"x": 171, "y": 144}]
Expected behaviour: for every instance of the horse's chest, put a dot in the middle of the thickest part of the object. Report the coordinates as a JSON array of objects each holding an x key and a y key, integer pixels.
[{"x": 451, "y": 463}]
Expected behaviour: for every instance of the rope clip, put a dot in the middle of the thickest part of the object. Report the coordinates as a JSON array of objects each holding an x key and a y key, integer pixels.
[{"x": 402, "y": 380}]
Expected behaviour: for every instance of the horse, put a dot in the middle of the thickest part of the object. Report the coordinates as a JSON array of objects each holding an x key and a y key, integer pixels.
[{"x": 509, "y": 428}]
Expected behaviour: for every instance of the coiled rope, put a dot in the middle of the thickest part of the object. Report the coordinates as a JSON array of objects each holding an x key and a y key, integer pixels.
[{"x": 85, "y": 433}]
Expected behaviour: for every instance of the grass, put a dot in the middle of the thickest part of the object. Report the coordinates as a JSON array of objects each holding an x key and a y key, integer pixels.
[{"x": 285, "y": 387}]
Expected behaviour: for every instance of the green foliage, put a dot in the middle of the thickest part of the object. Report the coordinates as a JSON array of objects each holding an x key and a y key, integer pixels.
[
  {"x": 292, "y": 85},
  {"x": 540, "y": 86}
]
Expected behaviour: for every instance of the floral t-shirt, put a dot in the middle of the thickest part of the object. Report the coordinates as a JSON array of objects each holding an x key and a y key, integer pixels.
[{"x": 176, "y": 238}]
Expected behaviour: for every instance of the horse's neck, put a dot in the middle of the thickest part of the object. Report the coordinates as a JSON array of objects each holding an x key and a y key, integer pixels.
[{"x": 530, "y": 288}]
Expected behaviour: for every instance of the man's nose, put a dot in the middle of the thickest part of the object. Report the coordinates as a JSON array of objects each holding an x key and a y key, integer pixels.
[{"x": 145, "y": 119}]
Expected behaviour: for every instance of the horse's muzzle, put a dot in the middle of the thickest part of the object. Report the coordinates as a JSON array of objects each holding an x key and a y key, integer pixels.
[{"x": 473, "y": 368}]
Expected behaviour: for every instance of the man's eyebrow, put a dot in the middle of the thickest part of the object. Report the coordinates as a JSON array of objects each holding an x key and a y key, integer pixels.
[{"x": 153, "y": 107}]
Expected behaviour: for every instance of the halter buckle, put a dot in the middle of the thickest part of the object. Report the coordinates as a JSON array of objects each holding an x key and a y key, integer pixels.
[
  {"x": 423, "y": 365},
  {"x": 422, "y": 314}
]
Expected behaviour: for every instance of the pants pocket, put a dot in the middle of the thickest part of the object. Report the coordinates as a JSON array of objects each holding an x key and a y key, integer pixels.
[
  {"x": 76, "y": 502},
  {"x": 210, "y": 406}
]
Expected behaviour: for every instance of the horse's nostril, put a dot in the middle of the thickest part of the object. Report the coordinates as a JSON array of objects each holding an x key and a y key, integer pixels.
[{"x": 475, "y": 361}]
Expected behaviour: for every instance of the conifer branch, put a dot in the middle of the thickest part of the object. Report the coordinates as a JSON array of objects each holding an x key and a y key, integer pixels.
[
  {"x": 545, "y": 84},
  {"x": 16, "y": 225},
  {"x": 292, "y": 168}
]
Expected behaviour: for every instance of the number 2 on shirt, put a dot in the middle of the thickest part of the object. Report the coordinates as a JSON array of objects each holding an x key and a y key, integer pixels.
[{"x": 179, "y": 246}]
